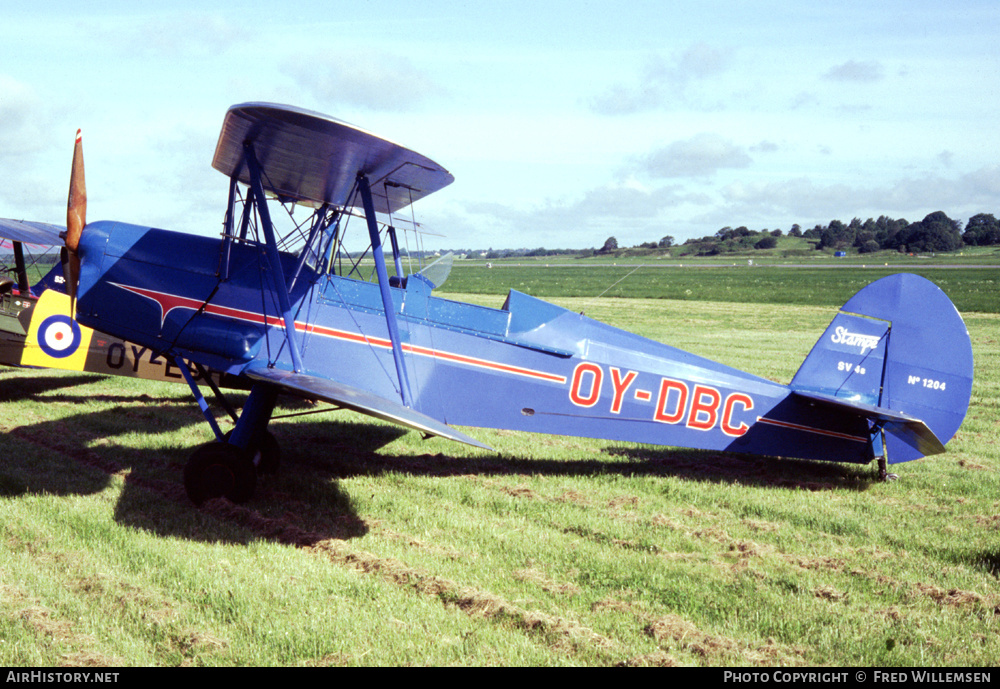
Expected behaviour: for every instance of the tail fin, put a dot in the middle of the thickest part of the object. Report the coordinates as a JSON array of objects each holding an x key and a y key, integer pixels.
[{"x": 898, "y": 344}]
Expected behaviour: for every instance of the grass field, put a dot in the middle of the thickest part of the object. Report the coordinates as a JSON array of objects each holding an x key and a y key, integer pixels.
[
  {"x": 374, "y": 547},
  {"x": 971, "y": 289}
]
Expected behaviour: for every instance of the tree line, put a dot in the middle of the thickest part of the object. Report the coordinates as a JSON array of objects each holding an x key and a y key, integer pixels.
[{"x": 935, "y": 233}]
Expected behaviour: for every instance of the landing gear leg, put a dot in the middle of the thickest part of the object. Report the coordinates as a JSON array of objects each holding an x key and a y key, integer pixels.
[
  {"x": 266, "y": 455},
  {"x": 229, "y": 467}
]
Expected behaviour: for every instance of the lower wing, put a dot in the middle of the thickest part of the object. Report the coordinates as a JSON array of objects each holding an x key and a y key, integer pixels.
[{"x": 359, "y": 400}]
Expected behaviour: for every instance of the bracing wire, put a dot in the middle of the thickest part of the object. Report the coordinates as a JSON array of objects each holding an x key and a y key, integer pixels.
[{"x": 587, "y": 305}]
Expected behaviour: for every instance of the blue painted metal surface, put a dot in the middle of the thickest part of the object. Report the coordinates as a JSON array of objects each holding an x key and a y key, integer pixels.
[
  {"x": 199, "y": 398},
  {"x": 383, "y": 285},
  {"x": 275, "y": 271}
]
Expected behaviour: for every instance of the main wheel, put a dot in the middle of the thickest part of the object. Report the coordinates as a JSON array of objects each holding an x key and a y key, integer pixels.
[
  {"x": 270, "y": 454},
  {"x": 218, "y": 470}
]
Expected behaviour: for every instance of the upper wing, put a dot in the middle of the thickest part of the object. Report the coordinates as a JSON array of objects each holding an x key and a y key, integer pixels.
[
  {"x": 309, "y": 157},
  {"x": 31, "y": 232},
  {"x": 359, "y": 400}
]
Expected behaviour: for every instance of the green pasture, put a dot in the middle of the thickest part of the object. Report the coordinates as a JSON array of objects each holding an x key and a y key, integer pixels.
[
  {"x": 971, "y": 289},
  {"x": 376, "y": 547}
]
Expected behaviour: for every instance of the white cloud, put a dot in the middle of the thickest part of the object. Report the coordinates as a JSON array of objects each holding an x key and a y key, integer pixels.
[
  {"x": 700, "y": 156},
  {"x": 27, "y": 134},
  {"x": 182, "y": 35},
  {"x": 852, "y": 70},
  {"x": 799, "y": 131},
  {"x": 373, "y": 82},
  {"x": 665, "y": 82},
  {"x": 21, "y": 131},
  {"x": 804, "y": 201}
]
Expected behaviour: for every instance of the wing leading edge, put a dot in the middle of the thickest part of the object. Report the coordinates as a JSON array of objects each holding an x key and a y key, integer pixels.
[{"x": 359, "y": 400}]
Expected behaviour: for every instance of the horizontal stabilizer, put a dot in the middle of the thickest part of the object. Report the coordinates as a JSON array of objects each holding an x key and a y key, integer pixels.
[
  {"x": 361, "y": 401},
  {"x": 907, "y": 429}
]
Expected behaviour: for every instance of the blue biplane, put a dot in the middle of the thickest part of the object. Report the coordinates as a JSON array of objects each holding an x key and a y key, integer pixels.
[{"x": 889, "y": 380}]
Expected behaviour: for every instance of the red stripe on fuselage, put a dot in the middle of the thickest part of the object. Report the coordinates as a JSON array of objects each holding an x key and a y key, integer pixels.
[
  {"x": 810, "y": 429},
  {"x": 169, "y": 302}
]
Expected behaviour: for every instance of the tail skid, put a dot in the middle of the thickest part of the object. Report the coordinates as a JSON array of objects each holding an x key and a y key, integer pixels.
[{"x": 898, "y": 354}]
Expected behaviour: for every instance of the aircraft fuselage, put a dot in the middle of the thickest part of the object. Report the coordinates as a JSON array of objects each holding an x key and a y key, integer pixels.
[{"x": 530, "y": 366}]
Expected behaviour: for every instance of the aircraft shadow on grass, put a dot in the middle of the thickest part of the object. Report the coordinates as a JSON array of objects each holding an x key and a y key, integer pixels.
[
  {"x": 24, "y": 387},
  {"x": 58, "y": 457},
  {"x": 79, "y": 454},
  {"x": 306, "y": 502},
  {"x": 747, "y": 470},
  {"x": 336, "y": 449},
  {"x": 350, "y": 460}
]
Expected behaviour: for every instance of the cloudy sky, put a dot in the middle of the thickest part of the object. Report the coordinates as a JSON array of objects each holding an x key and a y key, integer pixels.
[{"x": 563, "y": 122}]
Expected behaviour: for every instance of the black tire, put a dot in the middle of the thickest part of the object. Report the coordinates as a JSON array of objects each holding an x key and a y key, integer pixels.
[
  {"x": 270, "y": 454},
  {"x": 218, "y": 470}
]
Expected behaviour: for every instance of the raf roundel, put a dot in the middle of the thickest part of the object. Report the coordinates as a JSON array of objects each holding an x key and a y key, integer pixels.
[{"x": 59, "y": 336}]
